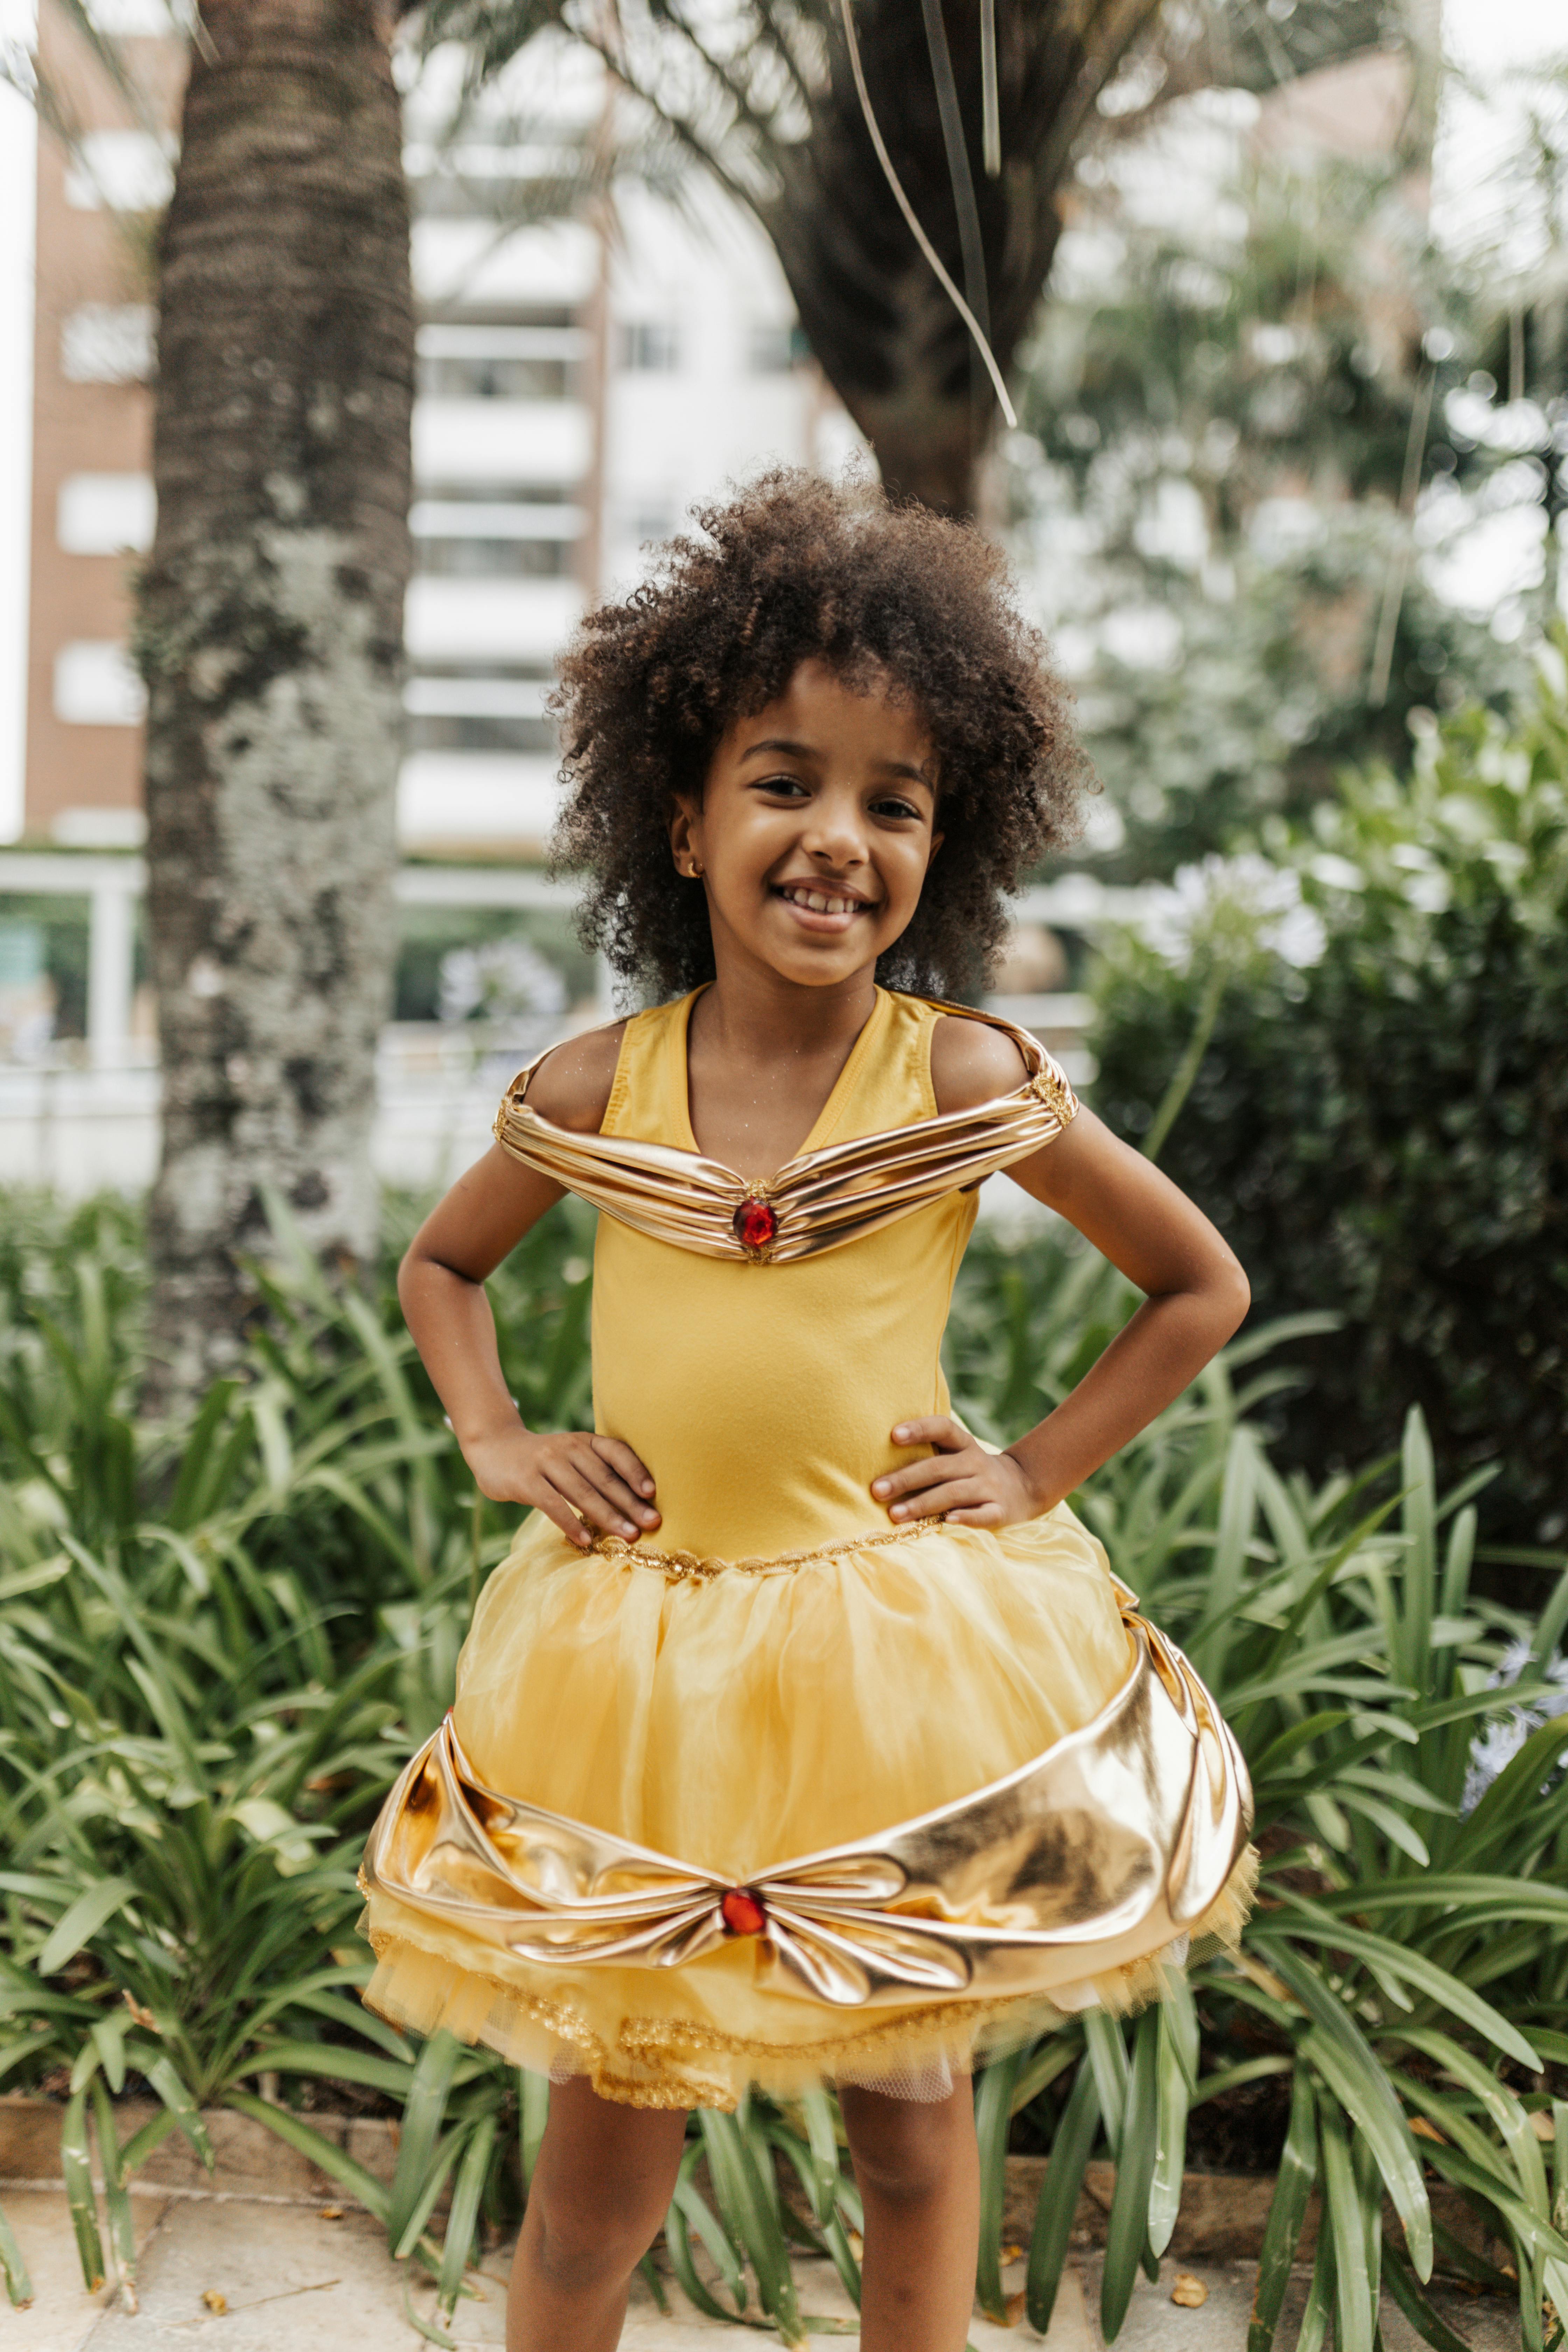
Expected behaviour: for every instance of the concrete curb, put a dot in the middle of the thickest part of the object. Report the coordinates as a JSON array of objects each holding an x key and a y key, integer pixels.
[{"x": 1221, "y": 2219}]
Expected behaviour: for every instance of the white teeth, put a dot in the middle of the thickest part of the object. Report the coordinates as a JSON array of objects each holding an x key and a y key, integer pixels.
[{"x": 821, "y": 904}]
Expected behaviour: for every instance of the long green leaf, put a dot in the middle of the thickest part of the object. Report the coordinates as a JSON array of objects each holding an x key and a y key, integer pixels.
[
  {"x": 749, "y": 2214},
  {"x": 1401, "y": 2283},
  {"x": 331, "y": 2159},
  {"x": 165, "y": 2080},
  {"x": 533, "y": 2115},
  {"x": 1108, "y": 2056},
  {"x": 424, "y": 2105},
  {"x": 1178, "y": 2064},
  {"x": 1403, "y": 1961},
  {"x": 1287, "y": 2213},
  {"x": 1129, "y": 2225},
  {"x": 1391, "y": 2144},
  {"x": 1343, "y": 2057},
  {"x": 1513, "y": 2123},
  {"x": 442, "y": 2159},
  {"x": 992, "y": 2114},
  {"x": 18, "y": 2284},
  {"x": 467, "y": 2191},
  {"x": 1058, "y": 2197},
  {"x": 83, "y": 1919},
  {"x": 121, "y": 2221},
  {"x": 1355, "y": 2299},
  {"x": 76, "y": 2167}
]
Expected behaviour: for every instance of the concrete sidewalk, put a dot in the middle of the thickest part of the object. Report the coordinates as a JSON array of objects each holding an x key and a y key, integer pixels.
[{"x": 246, "y": 2275}]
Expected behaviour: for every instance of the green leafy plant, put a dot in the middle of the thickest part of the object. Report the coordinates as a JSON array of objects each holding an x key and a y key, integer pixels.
[
  {"x": 1379, "y": 1117},
  {"x": 206, "y": 1687}
]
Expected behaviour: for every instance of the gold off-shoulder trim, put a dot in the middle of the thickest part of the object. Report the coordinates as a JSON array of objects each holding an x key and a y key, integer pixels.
[
  {"x": 686, "y": 1567},
  {"x": 820, "y": 1200}
]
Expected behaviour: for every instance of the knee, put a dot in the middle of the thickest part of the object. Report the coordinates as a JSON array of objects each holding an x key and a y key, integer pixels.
[
  {"x": 591, "y": 2232},
  {"x": 904, "y": 2152}
]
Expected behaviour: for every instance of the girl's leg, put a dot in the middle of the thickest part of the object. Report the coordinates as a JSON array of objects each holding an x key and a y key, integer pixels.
[
  {"x": 917, "y": 2166},
  {"x": 601, "y": 2188}
]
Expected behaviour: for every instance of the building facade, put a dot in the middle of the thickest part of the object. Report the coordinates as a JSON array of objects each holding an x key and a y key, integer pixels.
[{"x": 581, "y": 381}]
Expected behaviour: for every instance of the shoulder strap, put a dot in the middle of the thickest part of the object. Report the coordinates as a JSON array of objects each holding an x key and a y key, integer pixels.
[{"x": 820, "y": 1199}]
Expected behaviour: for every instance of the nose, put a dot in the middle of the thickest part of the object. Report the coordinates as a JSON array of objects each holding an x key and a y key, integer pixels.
[{"x": 835, "y": 832}]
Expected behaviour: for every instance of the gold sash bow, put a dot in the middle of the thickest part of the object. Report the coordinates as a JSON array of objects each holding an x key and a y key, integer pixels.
[{"x": 1105, "y": 1848}]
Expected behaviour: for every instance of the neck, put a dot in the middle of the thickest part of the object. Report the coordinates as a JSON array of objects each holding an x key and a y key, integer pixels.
[{"x": 753, "y": 1012}]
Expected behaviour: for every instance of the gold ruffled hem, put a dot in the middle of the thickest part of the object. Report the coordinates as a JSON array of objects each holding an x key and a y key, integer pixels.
[{"x": 678, "y": 2061}]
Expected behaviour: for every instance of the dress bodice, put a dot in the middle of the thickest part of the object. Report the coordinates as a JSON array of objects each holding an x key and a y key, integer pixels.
[{"x": 762, "y": 1396}]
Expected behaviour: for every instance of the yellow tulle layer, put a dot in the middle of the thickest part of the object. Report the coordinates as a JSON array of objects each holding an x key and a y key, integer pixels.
[
  {"x": 742, "y": 1720},
  {"x": 698, "y": 2036}
]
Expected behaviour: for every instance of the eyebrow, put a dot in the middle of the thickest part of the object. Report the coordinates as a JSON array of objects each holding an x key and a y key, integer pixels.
[{"x": 808, "y": 752}]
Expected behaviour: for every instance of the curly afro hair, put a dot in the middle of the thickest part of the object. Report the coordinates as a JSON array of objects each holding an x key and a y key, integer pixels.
[{"x": 789, "y": 570}]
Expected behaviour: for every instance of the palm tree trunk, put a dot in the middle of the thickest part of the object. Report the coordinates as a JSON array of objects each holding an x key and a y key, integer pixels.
[{"x": 271, "y": 636}]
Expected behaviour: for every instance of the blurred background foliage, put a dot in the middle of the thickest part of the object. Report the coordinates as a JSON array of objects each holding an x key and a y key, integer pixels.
[
  {"x": 1272, "y": 427},
  {"x": 1378, "y": 1112}
]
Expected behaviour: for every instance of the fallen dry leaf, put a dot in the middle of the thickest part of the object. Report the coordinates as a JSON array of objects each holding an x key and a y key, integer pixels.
[
  {"x": 857, "y": 2244},
  {"x": 332, "y": 2213},
  {"x": 1189, "y": 2291},
  {"x": 1012, "y": 2254},
  {"x": 215, "y": 2301},
  {"x": 1541, "y": 2124},
  {"x": 1016, "y": 2307},
  {"x": 1424, "y": 2130}
]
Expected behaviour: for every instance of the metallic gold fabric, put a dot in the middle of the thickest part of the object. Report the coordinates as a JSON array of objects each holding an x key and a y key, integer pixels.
[
  {"x": 1122, "y": 1834},
  {"x": 821, "y": 1199},
  {"x": 686, "y": 1567}
]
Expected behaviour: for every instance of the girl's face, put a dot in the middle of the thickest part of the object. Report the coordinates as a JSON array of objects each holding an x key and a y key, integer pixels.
[{"x": 815, "y": 829}]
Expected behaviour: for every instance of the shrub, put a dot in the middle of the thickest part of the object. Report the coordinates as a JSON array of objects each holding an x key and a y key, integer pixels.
[{"x": 1378, "y": 1115}]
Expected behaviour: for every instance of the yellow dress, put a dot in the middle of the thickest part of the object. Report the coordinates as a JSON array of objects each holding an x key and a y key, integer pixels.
[{"x": 727, "y": 1708}]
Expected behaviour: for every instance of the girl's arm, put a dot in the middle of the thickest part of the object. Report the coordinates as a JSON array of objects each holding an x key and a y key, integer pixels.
[
  {"x": 1195, "y": 1295},
  {"x": 572, "y": 1475}
]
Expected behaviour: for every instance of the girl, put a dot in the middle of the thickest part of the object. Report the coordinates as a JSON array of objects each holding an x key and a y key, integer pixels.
[{"x": 802, "y": 1735}]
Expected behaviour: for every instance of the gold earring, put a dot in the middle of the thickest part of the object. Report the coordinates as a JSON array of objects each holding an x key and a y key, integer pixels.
[{"x": 696, "y": 871}]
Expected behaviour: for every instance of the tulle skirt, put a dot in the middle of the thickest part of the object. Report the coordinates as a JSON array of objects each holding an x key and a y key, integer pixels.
[{"x": 738, "y": 1720}]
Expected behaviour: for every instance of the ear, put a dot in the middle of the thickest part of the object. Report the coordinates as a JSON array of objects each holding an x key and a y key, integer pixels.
[
  {"x": 936, "y": 841},
  {"x": 684, "y": 821}
]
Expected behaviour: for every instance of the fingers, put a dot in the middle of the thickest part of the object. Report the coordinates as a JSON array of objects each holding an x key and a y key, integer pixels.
[
  {"x": 620, "y": 1458},
  {"x": 936, "y": 1429},
  {"x": 930, "y": 1470},
  {"x": 951, "y": 1498},
  {"x": 596, "y": 1493}
]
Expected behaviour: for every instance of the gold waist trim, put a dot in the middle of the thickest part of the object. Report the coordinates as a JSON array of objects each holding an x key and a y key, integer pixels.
[
  {"x": 689, "y": 1568},
  {"x": 1109, "y": 1846}
]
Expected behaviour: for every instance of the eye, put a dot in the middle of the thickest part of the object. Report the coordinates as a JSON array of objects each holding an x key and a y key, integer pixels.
[
  {"x": 782, "y": 784},
  {"x": 893, "y": 805}
]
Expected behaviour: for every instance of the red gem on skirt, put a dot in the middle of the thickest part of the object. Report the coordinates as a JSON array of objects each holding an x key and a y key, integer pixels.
[{"x": 744, "y": 1915}]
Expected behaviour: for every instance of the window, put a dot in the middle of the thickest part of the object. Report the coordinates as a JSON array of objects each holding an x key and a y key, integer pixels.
[
  {"x": 494, "y": 559},
  {"x": 108, "y": 342},
  {"x": 128, "y": 170},
  {"x": 454, "y": 378},
  {"x": 496, "y": 494},
  {"x": 95, "y": 686},
  {"x": 471, "y": 731},
  {"x": 778, "y": 350},
  {"x": 106, "y": 514},
  {"x": 650, "y": 348}
]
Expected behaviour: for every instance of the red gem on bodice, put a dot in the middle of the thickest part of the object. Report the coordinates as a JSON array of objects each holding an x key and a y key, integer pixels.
[
  {"x": 744, "y": 1915},
  {"x": 756, "y": 1223}
]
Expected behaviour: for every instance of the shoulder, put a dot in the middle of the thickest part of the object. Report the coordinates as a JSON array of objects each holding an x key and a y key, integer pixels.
[
  {"x": 570, "y": 1087},
  {"x": 972, "y": 1063}
]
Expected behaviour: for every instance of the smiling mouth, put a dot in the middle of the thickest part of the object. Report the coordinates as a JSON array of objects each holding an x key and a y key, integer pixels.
[{"x": 821, "y": 902}]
